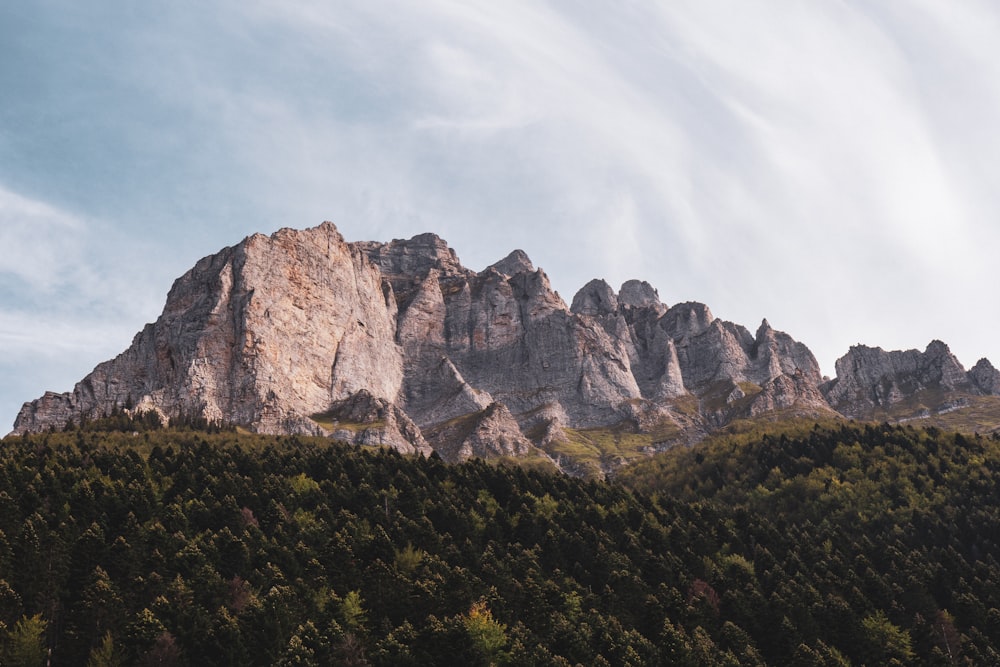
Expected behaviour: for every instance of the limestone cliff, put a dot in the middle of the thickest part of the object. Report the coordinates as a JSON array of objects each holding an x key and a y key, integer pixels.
[
  {"x": 985, "y": 377},
  {"x": 262, "y": 334},
  {"x": 873, "y": 383},
  {"x": 400, "y": 345}
]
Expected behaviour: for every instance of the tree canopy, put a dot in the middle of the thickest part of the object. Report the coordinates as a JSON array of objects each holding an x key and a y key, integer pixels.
[{"x": 819, "y": 546}]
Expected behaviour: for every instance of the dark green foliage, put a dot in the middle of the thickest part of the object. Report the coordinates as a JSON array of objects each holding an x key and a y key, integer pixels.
[
  {"x": 880, "y": 541},
  {"x": 852, "y": 545}
]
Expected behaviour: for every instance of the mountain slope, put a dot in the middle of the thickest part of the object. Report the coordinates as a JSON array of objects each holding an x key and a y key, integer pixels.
[{"x": 397, "y": 343}]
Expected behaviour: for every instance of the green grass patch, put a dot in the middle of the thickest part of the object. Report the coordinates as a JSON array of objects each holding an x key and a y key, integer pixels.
[
  {"x": 457, "y": 428},
  {"x": 686, "y": 404},
  {"x": 928, "y": 400},
  {"x": 788, "y": 423},
  {"x": 716, "y": 397},
  {"x": 602, "y": 448},
  {"x": 330, "y": 423},
  {"x": 980, "y": 415},
  {"x": 936, "y": 407}
]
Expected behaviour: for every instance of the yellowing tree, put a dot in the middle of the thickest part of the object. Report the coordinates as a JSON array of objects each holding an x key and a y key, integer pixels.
[
  {"x": 488, "y": 635},
  {"x": 25, "y": 644}
]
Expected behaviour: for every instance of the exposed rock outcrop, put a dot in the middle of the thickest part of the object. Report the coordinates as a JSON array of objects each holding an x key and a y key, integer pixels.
[
  {"x": 513, "y": 264},
  {"x": 51, "y": 410},
  {"x": 870, "y": 381},
  {"x": 795, "y": 391},
  {"x": 365, "y": 419},
  {"x": 488, "y": 433},
  {"x": 985, "y": 377},
  {"x": 640, "y": 294},
  {"x": 261, "y": 334},
  {"x": 398, "y": 344},
  {"x": 596, "y": 298}
]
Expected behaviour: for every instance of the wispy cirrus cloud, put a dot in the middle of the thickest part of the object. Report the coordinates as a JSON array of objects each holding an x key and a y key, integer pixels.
[
  {"x": 829, "y": 166},
  {"x": 63, "y": 307},
  {"x": 40, "y": 242}
]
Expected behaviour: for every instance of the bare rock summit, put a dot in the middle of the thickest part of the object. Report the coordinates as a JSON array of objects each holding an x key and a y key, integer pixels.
[
  {"x": 398, "y": 344},
  {"x": 872, "y": 383},
  {"x": 262, "y": 334}
]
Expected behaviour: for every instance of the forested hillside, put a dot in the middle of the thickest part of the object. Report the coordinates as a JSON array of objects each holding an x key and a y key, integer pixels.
[{"x": 825, "y": 546}]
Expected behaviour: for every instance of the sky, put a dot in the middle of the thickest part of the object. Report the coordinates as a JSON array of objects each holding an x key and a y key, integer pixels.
[{"x": 831, "y": 166}]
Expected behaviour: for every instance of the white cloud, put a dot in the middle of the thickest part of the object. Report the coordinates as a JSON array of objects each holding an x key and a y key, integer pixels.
[
  {"x": 68, "y": 299},
  {"x": 57, "y": 336},
  {"x": 41, "y": 244},
  {"x": 56, "y": 261},
  {"x": 771, "y": 159},
  {"x": 829, "y": 166}
]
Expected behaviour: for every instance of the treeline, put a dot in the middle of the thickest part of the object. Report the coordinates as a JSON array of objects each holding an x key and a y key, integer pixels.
[
  {"x": 830, "y": 547},
  {"x": 127, "y": 420}
]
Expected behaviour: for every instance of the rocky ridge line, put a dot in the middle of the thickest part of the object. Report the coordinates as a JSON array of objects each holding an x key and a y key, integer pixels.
[{"x": 398, "y": 344}]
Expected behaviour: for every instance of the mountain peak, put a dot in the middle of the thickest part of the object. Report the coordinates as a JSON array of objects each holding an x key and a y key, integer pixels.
[
  {"x": 514, "y": 263},
  {"x": 596, "y": 298},
  {"x": 397, "y": 343},
  {"x": 639, "y": 294},
  {"x": 985, "y": 377},
  {"x": 412, "y": 258}
]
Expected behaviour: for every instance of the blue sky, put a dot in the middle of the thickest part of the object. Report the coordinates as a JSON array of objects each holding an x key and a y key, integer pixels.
[{"x": 829, "y": 166}]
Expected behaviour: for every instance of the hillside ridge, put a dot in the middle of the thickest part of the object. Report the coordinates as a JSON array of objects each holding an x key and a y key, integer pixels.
[{"x": 397, "y": 343}]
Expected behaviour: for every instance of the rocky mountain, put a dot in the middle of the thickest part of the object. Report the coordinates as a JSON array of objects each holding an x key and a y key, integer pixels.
[
  {"x": 902, "y": 385},
  {"x": 399, "y": 344}
]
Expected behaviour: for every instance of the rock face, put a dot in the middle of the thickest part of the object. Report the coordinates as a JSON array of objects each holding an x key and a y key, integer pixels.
[
  {"x": 985, "y": 377},
  {"x": 365, "y": 419},
  {"x": 398, "y": 344},
  {"x": 488, "y": 433},
  {"x": 871, "y": 382},
  {"x": 264, "y": 334},
  {"x": 784, "y": 392}
]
